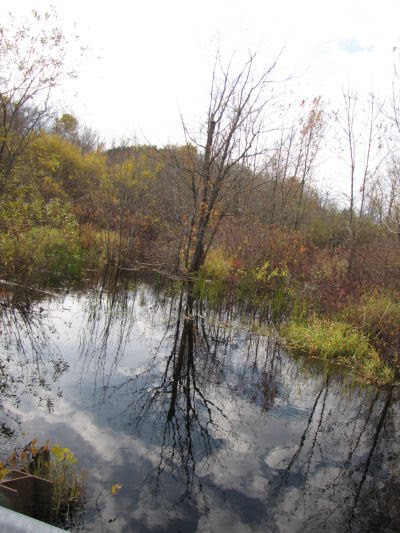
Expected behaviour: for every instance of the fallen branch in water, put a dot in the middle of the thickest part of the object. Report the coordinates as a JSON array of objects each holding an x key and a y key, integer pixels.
[{"x": 13, "y": 284}]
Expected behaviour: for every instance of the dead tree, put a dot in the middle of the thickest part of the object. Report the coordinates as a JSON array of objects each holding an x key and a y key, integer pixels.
[{"x": 227, "y": 147}]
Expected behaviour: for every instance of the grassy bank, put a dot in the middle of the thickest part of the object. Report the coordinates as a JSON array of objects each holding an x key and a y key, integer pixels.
[
  {"x": 324, "y": 317},
  {"x": 337, "y": 343},
  {"x": 359, "y": 334}
]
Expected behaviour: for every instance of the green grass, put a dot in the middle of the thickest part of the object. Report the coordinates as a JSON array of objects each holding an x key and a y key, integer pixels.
[{"x": 340, "y": 344}]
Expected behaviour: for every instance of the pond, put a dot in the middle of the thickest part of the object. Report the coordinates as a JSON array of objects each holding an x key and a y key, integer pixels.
[{"x": 206, "y": 425}]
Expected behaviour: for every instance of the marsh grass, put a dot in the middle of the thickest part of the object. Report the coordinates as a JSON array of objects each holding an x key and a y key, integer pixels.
[
  {"x": 222, "y": 279},
  {"x": 337, "y": 343},
  {"x": 214, "y": 291},
  {"x": 217, "y": 265},
  {"x": 377, "y": 315}
]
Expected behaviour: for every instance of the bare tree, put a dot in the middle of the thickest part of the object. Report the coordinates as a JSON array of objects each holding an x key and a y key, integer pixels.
[
  {"x": 32, "y": 63},
  {"x": 311, "y": 135},
  {"x": 384, "y": 201},
  {"x": 388, "y": 188},
  {"x": 228, "y": 143},
  {"x": 290, "y": 169},
  {"x": 362, "y": 130}
]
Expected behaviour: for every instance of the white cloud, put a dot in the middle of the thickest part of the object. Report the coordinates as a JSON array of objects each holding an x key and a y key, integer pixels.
[{"x": 146, "y": 60}]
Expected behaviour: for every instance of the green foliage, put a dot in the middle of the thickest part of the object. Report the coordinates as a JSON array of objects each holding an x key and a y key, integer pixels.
[
  {"x": 39, "y": 238},
  {"x": 59, "y": 169},
  {"x": 337, "y": 343},
  {"x": 56, "y": 254},
  {"x": 328, "y": 228},
  {"x": 66, "y": 126}
]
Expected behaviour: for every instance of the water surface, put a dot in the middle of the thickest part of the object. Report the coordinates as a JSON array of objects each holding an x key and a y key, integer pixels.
[{"x": 206, "y": 425}]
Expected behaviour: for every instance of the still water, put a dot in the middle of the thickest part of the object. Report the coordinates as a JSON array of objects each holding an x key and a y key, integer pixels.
[{"x": 206, "y": 425}]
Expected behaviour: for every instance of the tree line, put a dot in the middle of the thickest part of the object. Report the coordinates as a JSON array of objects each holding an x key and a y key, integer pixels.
[{"x": 243, "y": 184}]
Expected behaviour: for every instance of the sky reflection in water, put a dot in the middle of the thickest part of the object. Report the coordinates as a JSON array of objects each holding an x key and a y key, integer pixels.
[{"x": 206, "y": 426}]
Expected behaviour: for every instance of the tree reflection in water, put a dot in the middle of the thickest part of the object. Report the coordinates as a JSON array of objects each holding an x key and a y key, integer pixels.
[
  {"x": 338, "y": 462},
  {"x": 109, "y": 320},
  {"x": 209, "y": 378},
  {"x": 176, "y": 400},
  {"x": 30, "y": 364}
]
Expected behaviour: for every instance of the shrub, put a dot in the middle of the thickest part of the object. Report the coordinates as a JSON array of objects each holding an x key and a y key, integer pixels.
[
  {"x": 216, "y": 265},
  {"x": 38, "y": 238}
]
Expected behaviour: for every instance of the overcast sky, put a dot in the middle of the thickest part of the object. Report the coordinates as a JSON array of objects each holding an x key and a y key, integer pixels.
[{"x": 148, "y": 61}]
